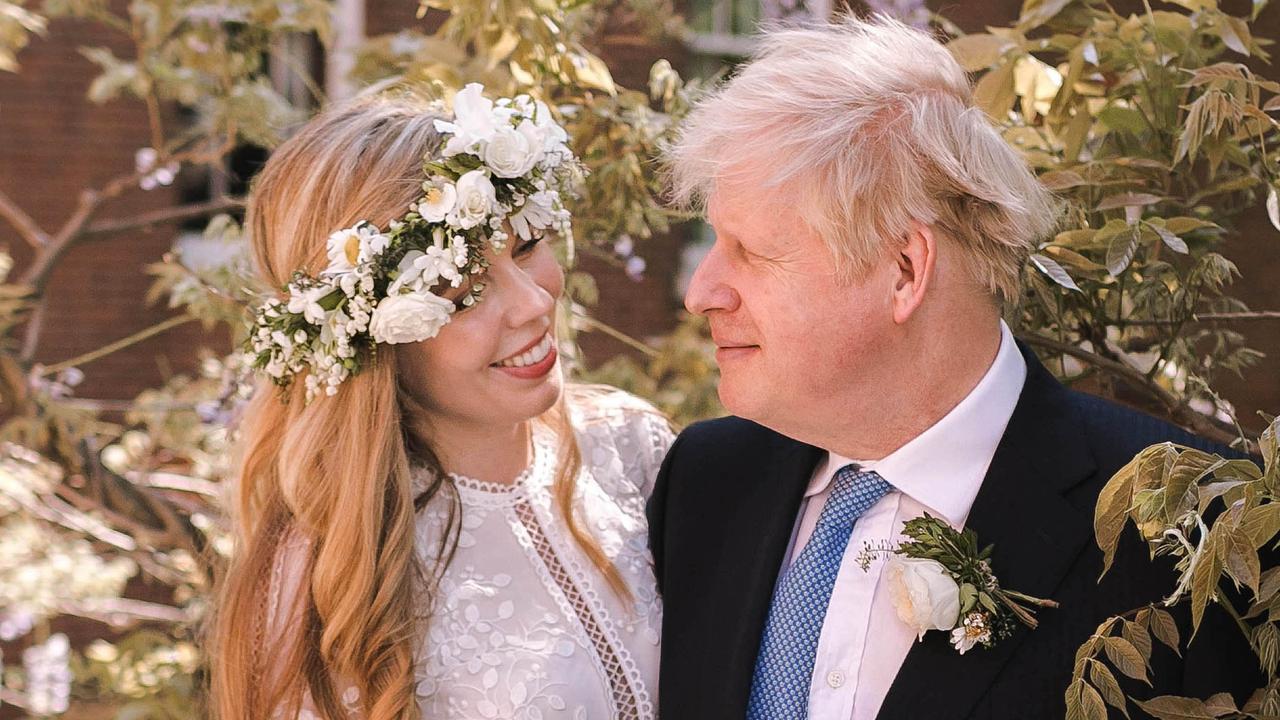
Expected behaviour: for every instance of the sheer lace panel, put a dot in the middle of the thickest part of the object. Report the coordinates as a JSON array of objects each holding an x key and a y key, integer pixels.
[{"x": 624, "y": 697}]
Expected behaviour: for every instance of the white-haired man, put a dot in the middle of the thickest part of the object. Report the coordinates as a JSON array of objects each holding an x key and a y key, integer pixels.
[{"x": 870, "y": 227}]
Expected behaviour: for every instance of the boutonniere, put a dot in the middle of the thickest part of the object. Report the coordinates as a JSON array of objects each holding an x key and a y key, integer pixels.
[{"x": 939, "y": 580}]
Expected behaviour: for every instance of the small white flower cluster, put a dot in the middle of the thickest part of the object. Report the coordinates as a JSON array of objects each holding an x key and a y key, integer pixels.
[
  {"x": 48, "y": 676},
  {"x": 504, "y": 162}
]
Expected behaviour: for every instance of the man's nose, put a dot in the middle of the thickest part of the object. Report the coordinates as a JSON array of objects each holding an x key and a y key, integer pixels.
[{"x": 711, "y": 286}]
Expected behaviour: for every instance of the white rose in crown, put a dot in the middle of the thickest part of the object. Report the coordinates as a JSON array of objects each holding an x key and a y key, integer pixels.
[
  {"x": 476, "y": 200},
  {"x": 514, "y": 151},
  {"x": 924, "y": 594},
  {"x": 408, "y": 318}
]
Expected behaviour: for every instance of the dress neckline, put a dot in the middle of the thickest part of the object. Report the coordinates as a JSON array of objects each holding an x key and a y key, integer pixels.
[{"x": 542, "y": 451}]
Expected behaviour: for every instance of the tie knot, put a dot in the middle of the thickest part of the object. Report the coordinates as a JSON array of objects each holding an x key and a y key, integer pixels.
[{"x": 853, "y": 492}]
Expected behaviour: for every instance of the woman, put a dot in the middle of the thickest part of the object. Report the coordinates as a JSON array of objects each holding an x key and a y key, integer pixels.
[{"x": 429, "y": 523}]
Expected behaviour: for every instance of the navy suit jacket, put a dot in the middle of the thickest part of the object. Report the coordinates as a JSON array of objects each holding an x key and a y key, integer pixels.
[{"x": 722, "y": 513}]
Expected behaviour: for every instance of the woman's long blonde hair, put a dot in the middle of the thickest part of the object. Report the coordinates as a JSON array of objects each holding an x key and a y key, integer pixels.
[{"x": 336, "y": 472}]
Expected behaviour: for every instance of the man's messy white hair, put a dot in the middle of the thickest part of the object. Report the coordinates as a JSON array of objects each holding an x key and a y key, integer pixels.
[{"x": 867, "y": 125}]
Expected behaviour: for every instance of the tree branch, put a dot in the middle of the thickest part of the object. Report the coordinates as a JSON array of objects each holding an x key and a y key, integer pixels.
[
  {"x": 166, "y": 216},
  {"x": 1177, "y": 409},
  {"x": 22, "y": 222},
  {"x": 120, "y": 344}
]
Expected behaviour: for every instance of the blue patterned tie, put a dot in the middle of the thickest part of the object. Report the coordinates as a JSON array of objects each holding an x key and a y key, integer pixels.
[{"x": 784, "y": 666}]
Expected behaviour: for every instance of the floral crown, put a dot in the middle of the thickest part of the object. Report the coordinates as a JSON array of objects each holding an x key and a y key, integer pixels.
[{"x": 503, "y": 162}]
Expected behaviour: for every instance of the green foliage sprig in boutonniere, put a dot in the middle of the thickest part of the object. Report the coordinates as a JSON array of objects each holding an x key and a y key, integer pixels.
[{"x": 939, "y": 580}]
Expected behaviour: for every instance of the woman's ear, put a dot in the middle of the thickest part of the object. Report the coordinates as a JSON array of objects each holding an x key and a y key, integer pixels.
[{"x": 915, "y": 260}]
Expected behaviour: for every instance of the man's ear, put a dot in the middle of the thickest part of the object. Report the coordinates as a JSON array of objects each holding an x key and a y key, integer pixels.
[{"x": 914, "y": 260}]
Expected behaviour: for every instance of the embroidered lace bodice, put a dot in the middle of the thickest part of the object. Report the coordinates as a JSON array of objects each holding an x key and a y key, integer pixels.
[{"x": 524, "y": 625}]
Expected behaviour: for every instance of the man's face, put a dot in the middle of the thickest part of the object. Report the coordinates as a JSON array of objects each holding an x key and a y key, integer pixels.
[{"x": 791, "y": 337}]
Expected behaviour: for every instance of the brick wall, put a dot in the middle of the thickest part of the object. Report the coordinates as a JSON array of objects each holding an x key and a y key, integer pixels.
[{"x": 53, "y": 143}]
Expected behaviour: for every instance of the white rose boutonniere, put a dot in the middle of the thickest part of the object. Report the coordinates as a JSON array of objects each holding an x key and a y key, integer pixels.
[
  {"x": 412, "y": 317},
  {"x": 939, "y": 580},
  {"x": 924, "y": 594}
]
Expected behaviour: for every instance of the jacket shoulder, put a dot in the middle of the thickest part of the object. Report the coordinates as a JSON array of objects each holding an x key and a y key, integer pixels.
[{"x": 1117, "y": 432}]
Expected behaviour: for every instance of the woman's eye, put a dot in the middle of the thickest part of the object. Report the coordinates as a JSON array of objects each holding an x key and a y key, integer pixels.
[{"x": 527, "y": 246}]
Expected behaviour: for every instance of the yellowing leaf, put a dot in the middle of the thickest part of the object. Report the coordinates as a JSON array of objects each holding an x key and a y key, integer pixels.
[
  {"x": 1128, "y": 199},
  {"x": 1108, "y": 687},
  {"x": 1172, "y": 707},
  {"x": 1112, "y": 508},
  {"x": 1261, "y": 523},
  {"x": 1273, "y": 207},
  {"x": 1165, "y": 629},
  {"x": 994, "y": 92},
  {"x": 978, "y": 51},
  {"x": 1235, "y": 34},
  {"x": 1125, "y": 657}
]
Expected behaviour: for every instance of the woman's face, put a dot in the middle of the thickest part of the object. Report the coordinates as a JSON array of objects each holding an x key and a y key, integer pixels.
[{"x": 495, "y": 363}]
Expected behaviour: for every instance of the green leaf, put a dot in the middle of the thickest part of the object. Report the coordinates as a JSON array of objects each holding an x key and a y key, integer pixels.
[
  {"x": 1125, "y": 657},
  {"x": 1165, "y": 629},
  {"x": 1172, "y": 707},
  {"x": 1121, "y": 251},
  {"x": 1184, "y": 225},
  {"x": 1124, "y": 119},
  {"x": 1055, "y": 272}
]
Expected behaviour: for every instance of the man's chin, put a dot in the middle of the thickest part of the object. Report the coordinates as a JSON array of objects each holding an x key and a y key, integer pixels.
[{"x": 739, "y": 397}]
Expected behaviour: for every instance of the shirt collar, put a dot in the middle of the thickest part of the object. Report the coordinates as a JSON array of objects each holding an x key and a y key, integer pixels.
[{"x": 943, "y": 467}]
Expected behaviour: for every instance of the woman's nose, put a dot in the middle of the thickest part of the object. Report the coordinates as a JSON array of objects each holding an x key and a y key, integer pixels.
[{"x": 526, "y": 295}]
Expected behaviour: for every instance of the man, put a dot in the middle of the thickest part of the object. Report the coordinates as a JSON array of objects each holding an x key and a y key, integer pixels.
[{"x": 871, "y": 226}]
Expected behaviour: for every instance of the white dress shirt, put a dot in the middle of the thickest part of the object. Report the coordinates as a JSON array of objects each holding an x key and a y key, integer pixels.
[{"x": 863, "y": 642}]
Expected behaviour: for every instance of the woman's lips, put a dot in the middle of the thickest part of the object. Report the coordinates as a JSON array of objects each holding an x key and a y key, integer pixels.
[{"x": 534, "y": 371}]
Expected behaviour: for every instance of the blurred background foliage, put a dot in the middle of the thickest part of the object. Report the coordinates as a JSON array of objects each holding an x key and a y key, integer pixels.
[{"x": 1148, "y": 126}]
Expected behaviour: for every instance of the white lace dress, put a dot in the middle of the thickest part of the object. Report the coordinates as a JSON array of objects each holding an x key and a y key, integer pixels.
[{"x": 524, "y": 626}]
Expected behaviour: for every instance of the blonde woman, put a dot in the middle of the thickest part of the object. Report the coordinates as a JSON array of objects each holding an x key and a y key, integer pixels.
[{"x": 430, "y": 524}]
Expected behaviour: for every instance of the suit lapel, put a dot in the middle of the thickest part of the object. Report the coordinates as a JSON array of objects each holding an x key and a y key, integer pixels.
[
  {"x": 759, "y": 528},
  {"x": 1037, "y": 534}
]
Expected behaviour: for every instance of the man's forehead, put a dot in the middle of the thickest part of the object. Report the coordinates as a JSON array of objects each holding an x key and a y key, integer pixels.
[{"x": 739, "y": 207}]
